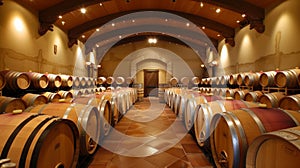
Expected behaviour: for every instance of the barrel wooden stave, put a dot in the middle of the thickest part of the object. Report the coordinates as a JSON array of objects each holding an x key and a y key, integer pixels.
[
  {"x": 288, "y": 78},
  {"x": 253, "y": 96},
  {"x": 51, "y": 141},
  {"x": 10, "y": 104},
  {"x": 271, "y": 99},
  {"x": 32, "y": 99},
  {"x": 232, "y": 132},
  {"x": 16, "y": 80},
  {"x": 38, "y": 81},
  {"x": 87, "y": 119},
  {"x": 291, "y": 102},
  {"x": 266, "y": 79},
  {"x": 275, "y": 149}
]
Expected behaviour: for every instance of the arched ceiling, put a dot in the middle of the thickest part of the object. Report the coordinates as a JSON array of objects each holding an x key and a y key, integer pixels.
[{"x": 233, "y": 14}]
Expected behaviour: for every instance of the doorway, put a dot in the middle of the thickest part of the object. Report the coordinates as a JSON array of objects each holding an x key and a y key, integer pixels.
[{"x": 150, "y": 83}]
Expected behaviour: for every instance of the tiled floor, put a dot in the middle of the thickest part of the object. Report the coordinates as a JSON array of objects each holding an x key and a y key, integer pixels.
[{"x": 149, "y": 136}]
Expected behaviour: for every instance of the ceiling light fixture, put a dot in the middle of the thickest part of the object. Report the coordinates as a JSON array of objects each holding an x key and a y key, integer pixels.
[
  {"x": 113, "y": 25},
  {"x": 218, "y": 35},
  {"x": 101, "y": 4},
  {"x": 83, "y": 36},
  {"x": 97, "y": 30},
  {"x": 63, "y": 22},
  {"x": 83, "y": 10},
  {"x": 59, "y": 16},
  {"x": 218, "y": 10},
  {"x": 237, "y": 21},
  {"x": 187, "y": 24},
  {"x": 152, "y": 40},
  {"x": 203, "y": 27},
  {"x": 243, "y": 15},
  {"x": 201, "y": 4}
]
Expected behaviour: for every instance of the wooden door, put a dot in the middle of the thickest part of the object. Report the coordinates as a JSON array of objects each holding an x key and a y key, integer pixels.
[{"x": 150, "y": 83}]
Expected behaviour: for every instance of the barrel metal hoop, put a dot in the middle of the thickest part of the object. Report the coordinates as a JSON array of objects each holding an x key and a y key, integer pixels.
[
  {"x": 291, "y": 116},
  {"x": 13, "y": 135},
  {"x": 233, "y": 132},
  {"x": 27, "y": 145},
  {"x": 65, "y": 116}
]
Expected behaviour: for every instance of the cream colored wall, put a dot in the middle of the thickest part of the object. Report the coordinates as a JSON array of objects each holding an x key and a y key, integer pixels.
[
  {"x": 277, "y": 47},
  {"x": 23, "y": 49}
]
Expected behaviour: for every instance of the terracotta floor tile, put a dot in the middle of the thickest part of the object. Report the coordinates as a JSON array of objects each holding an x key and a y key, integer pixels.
[{"x": 163, "y": 137}]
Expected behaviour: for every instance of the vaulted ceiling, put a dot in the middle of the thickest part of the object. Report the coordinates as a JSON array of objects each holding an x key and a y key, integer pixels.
[{"x": 218, "y": 19}]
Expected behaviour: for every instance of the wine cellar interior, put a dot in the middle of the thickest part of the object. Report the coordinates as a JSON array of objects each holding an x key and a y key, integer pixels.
[{"x": 153, "y": 84}]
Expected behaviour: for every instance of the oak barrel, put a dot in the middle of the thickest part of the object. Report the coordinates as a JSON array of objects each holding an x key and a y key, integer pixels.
[
  {"x": 191, "y": 105},
  {"x": 101, "y": 80},
  {"x": 288, "y": 78},
  {"x": 10, "y": 104},
  {"x": 240, "y": 79},
  {"x": 252, "y": 79},
  {"x": 266, "y": 79},
  {"x": 278, "y": 149},
  {"x": 66, "y": 81},
  {"x": 232, "y": 132},
  {"x": 52, "y": 97},
  {"x": 65, "y": 94},
  {"x": 253, "y": 96},
  {"x": 38, "y": 81},
  {"x": 2, "y": 81},
  {"x": 173, "y": 81},
  {"x": 32, "y": 140},
  {"x": 291, "y": 102},
  {"x": 32, "y": 99},
  {"x": 120, "y": 80},
  {"x": 240, "y": 94},
  {"x": 16, "y": 80},
  {"x": 271, "y": 99},
  {"x": 110, "y": 80},
  {"x": 205, "y": 112},
  {"x": 54, "y": 81},
  {"x": 87, "y": 119},
  {"x": 195, "y": 80},
  {"x": 232, "y": 79}
]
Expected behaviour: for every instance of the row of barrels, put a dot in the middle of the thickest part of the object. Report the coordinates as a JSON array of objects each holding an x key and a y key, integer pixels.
[
  {"x": 20, "y": 81},
  {"x": 114, "y": 80},
  {"x": 58, "y": 134},
  {"x": 286, "y": 78},
  {"x": 272, "y": 99},
  {"x": 238, "y": 133}
]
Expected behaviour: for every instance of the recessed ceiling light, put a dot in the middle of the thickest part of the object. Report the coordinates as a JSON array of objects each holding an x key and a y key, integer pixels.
[
  {"x": 120, "y": 37},
  {"x": 237, "y": 21},
  {"x": 166, "y": 20},
  {"x": 133, "y": 21},
  {"x": 218, "y": 10},
  {"x": 63, "y": 22},
  {"x": 59, "y": 16},
  {"x": 243, "y": 15},
  {"x": 83, "y": 36},
  {"x": 97, "y": 45},
  {"x": 203, "y": 27},
  {"x": 101, "y": 4},
  {"x": 97, "y": 30},
  {"x": 218, "y": 35},
  {"x": 113, "y": 25},
  {"x": 201, "y": 4},
  {"x": 83, "y": 10},
  {"x": 187, "y": 24}
]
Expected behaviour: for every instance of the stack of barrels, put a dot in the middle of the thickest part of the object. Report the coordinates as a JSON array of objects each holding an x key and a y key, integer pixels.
[
  {"x": 244, "y": 120},
  {"x": 48, "y": 126}
]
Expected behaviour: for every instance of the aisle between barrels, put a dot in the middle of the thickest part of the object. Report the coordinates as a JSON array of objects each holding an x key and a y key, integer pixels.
[{"x": 166, "y": 143}]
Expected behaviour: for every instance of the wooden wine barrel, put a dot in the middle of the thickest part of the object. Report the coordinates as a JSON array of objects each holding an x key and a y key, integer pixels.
[
  {"x": 106, "y": 117},
  {"x": 173, "y": 81},
  {"x": 271, "y": 99},
  {"x": 37, "y": 80},
  {"x": 253, "y": 96},
  {"x": 10, "y": 104},
  {"x": 52, "y": 97},
  {"x": 32, "y": 99},
  {"x": 288, "y": 78},
  {"x": 121, "y": 102},
  {"x": 2, "y": 81},
  {"x": 83, "y": 83},
  {"x": 224, "y": 80},
  {"x": 54, "y": 81},
  {"x": 120, "y": 80},
  {"x": 65, "y": 94},
  {"x": 278, "y": 149},
  {"x": 66, "y": 81},
  {"x": 191, "y": 105},
  {"x": 291, "y": 102},
  {"x": 232, "y": 132},
  {"x": 101, "y": 80},
  {"x": 240, "y": 79},
  {"x": 240, "y": 94},
  {"x": 232, "y": 79},
  {"x": 176, "y": 102},
  {"x": 110, "y": 80},
  {"x": 16, "y": 80},
  {"x": 182, "y": 105},
  {"x": 32, "y": 140},
  {"x": 266, "y": 79},
  {"x": 87, "y": 119},
  {"x": 195, "y": 80},
  {"x": 252, "y": 80},
  {"x": 230, "y": 92},
  {"x": 76, "y": 82},
  {"x": 185, "y": 81},
  {"x": 205, "y": 112}
]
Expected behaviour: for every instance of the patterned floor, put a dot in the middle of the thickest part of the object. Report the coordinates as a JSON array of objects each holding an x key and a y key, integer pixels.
[{"x": 149, "y": 136}]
